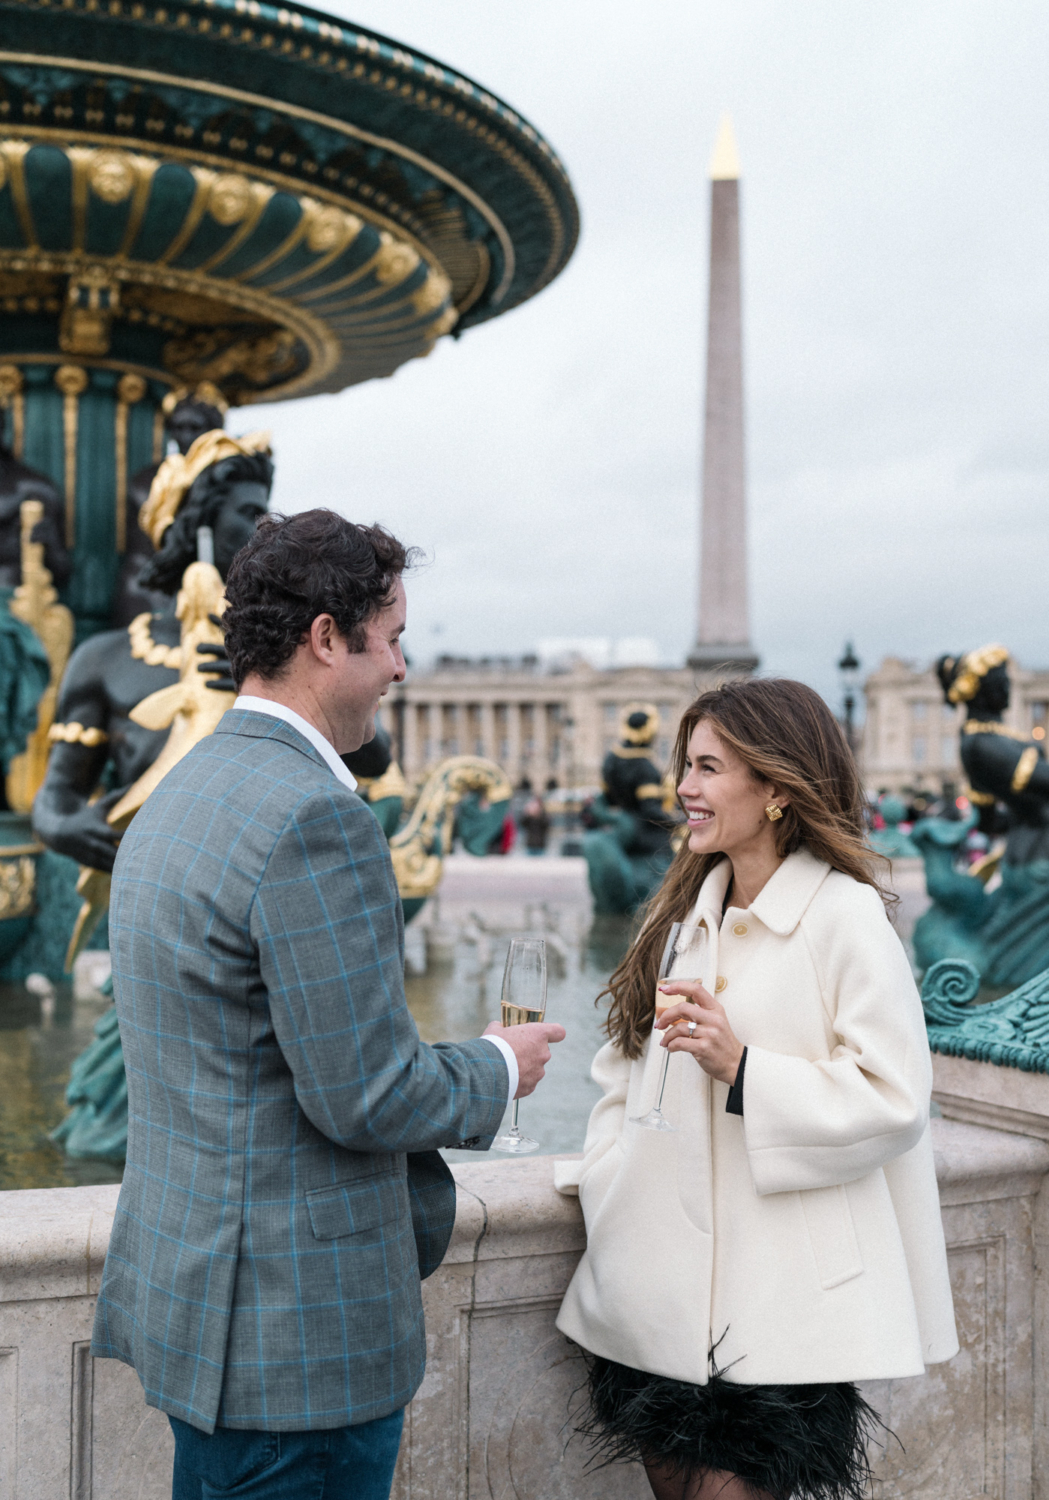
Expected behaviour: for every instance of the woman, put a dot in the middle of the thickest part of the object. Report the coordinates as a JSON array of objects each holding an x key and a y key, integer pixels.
[{"x": 742, "y": 1272}]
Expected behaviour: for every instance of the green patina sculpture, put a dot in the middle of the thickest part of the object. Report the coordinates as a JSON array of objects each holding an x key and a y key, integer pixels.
[
  {"x": 889, "y": 840},
  {"x": 96, "y": 1125},
  {"x": 629, "y": 850},
  {"x": 950, "y": 928},
  {"x": 1012, "y": 1032},
  {"x": 1004, "y": 933}
]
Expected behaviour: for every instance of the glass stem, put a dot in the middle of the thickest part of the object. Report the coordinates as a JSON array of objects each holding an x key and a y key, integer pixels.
[
  {"x": 663, "y": 1081},
  {"x": 513, "y": 1119}
]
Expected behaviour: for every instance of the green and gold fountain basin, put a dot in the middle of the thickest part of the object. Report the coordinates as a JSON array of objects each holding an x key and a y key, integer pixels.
[
  {"x": 257, "y": 196},
  {"x": 264, "y": 199}
]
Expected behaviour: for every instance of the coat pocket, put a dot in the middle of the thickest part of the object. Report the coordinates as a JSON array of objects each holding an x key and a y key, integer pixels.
[
  {"x": 352, "y": 1207},
  {"x": 832, "y": 1235}
]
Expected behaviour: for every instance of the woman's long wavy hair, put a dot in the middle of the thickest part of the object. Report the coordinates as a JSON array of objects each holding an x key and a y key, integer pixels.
[{"x": 786, "y": 735}]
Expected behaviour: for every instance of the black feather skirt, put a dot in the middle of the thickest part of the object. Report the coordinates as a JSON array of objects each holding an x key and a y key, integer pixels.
[{"x": 793, "y": 1442}]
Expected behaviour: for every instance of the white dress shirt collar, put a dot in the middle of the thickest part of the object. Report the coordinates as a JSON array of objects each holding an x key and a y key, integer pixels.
[{"x": 320, "y": 744}]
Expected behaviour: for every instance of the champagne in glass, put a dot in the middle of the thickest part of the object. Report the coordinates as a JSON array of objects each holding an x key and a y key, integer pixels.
[
  {"x": 524, "y": 1000},
  {"x": 682, "y": 936}
]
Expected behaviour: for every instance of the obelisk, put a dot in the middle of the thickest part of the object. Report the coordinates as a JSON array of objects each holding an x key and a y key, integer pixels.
[{"x": 723, "y": 638}]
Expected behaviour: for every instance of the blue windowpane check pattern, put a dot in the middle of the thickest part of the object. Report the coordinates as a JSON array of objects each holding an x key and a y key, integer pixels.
[{"x": 264, "y": 1265}]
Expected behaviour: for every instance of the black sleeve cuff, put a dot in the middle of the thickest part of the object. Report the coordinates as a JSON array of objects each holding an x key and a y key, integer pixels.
[{"x": 734, "y": 1104}]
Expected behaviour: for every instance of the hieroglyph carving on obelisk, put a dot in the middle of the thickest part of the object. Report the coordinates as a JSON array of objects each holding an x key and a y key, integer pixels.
[{"x": 723, "y": 637}]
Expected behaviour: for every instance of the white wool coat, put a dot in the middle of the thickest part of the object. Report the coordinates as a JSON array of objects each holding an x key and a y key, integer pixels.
[{"x": 803, "y": 1238}]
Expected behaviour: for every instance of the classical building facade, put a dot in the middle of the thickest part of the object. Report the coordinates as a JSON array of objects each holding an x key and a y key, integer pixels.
[
  {"x": 546, "y": 725},
  {"x": 910, "y": 737}
]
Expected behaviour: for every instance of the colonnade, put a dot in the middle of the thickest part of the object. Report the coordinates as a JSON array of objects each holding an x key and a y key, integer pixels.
[{"x": 527, "y": 738}]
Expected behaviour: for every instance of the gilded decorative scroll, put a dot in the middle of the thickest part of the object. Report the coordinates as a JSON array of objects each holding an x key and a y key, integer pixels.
[
  {"x": 12, "y": 399},
  {"x": 130, "y": 389},
  {"x": 35, "y": 603},
  {"x": 17, "y": 886},
  {"x": 418, "y": 849},
  {"x": 72, "y": 381}
]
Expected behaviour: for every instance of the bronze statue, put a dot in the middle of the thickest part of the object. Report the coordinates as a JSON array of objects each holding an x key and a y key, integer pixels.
[
  {"x": 1004, "y": 932},
  {"x": 187, "y": 416},
  {"x": 1002, "y": 765},
  {"x": 221, "y": 483},
  {"x": 628, "y": 850}
]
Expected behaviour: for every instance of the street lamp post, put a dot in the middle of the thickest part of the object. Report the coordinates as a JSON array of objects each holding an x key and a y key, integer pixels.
[{"x": 849, "y": 668}]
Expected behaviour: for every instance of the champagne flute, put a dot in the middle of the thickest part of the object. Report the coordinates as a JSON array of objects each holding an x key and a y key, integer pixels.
[
  {"x": 682, "y": 936},
  {"x": 524, "y": 1000}
]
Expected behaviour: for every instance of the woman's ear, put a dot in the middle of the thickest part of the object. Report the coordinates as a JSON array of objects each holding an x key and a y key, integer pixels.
[{"x": 774, "y": 797}]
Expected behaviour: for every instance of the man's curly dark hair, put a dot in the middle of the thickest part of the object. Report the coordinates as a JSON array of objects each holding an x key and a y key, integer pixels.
[
  {"x": 296, "y": 568},
  {"x": 200, "y": 507}
]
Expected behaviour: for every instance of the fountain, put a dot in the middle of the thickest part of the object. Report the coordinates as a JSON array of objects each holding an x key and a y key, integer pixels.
[{"x": 210, "y": 205}]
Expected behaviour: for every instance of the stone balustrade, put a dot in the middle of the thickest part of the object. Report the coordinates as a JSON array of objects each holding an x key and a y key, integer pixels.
[{"x": 492, "y": 1418}]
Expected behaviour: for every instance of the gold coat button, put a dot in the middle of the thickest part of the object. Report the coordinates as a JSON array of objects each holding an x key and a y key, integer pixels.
[
  {"x": 740, "y": 929},
  {"x": 722, "y": 982}
]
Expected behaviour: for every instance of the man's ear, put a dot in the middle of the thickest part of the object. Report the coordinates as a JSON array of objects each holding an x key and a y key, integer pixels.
[{"x": 322, "y": 637}]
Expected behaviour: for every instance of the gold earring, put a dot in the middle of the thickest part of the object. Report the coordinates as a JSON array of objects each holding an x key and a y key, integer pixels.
[{"x": 773, "y": 813}]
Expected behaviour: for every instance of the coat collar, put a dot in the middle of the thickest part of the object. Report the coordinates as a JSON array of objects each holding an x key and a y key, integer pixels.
[
  {"x": 266, "y": 727},
  {"x": 783, "y": 901}
]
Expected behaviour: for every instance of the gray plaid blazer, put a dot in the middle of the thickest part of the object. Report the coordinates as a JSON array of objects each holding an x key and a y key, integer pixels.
[{"x": 263, "y": 1270}]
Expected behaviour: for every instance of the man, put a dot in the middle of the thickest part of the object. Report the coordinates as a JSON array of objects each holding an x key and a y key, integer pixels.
[{"x": 283, "y": 1195}]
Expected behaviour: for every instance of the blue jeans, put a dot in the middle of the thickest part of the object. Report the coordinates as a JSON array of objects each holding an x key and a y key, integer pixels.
[{"x": 339, "y": 1463}]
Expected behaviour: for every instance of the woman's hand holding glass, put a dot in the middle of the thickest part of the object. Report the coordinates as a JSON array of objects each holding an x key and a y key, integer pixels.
[{"x": 713, "y": 1044}]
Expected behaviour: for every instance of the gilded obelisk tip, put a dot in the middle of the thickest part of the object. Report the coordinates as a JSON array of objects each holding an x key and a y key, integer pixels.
[{"x": 724, "y": 164}]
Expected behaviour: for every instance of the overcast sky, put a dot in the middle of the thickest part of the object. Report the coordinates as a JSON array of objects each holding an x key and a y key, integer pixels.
[{"x": 895, "y": 193}]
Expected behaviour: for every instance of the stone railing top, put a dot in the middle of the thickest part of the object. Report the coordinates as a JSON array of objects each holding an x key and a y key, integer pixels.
[
  {"x": 512, "y": 1208},
  {"x": 973, "y": 1161},
  {"x": 53, "y": 1240}
]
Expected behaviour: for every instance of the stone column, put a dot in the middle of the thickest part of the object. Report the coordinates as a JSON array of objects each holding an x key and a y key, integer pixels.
[
  {"x": 513, "y": 734},
  {"x": 527, "y": 713},
  {"x": 425, "y": 734},
  {"x": 411, "y": 765},
  {"x": 541, "y": 757},
  {"x": 724, "y": 629},
  {"x": 487, "y": 711}
]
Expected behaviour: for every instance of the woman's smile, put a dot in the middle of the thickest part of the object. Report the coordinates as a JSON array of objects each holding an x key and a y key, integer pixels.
[{"x": 698, "y": 817}]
